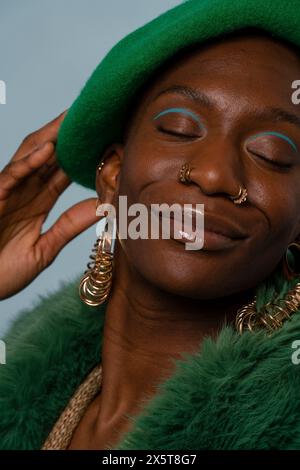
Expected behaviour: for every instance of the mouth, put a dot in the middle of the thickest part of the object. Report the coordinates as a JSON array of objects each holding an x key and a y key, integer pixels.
[{"x": 199, "y": 231}]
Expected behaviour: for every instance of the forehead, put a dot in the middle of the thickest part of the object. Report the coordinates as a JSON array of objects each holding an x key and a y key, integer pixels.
[
  {"x": 245, "y": 64},
  {"x": 238, "y": 56}
]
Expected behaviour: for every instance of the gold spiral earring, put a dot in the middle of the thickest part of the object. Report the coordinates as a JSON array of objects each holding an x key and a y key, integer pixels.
[{"x": 95, "y": 285}]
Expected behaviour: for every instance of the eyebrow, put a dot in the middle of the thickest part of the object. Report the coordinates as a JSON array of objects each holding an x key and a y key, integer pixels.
[{"x": 269, "y": 114}]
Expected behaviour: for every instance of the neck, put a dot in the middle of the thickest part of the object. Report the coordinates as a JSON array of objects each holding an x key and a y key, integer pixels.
[{"x": 145, "y": 330}]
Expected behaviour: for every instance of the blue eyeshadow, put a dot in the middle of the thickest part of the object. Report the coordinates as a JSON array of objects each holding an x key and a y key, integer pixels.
[
  {"x": 179, "y": 110},
  {"x": 277, "y": 134}
]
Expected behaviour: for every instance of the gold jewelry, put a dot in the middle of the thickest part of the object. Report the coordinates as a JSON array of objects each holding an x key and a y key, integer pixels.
[
  {"x": 184, "y": 174},
  {"x": 271, "y": 316},
  {"x": 185, "y": 177},
  {"x": 240, "y": 197},
  {"x": 291, "y": 261},
  {"x": 62, "y": 432},
  {"x": 100, "y": 166},
  {"x": 95, "y": 285}
]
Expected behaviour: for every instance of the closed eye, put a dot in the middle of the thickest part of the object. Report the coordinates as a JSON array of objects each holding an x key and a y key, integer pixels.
[
  {"x": 272, "y": 162},
  {"x": 177, "y": 134}
]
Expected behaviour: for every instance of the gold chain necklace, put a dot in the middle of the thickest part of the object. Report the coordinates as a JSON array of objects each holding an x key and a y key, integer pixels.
[
  {"x": 271, "y": 317},
  {"x": 62, "y": 432},
  {"x": 273, "y": 314}
]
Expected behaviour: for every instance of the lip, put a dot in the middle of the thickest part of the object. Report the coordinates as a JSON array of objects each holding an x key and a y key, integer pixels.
[
  {"x": 212, "y": 223},
  {"x": 218, "y": 232},
  {"x": 223, "y": 227},
  {"x": 215, "y": 241}
]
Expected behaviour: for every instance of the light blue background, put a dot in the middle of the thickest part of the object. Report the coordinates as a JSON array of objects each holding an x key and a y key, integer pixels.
[{"x": 48, "y": 49}]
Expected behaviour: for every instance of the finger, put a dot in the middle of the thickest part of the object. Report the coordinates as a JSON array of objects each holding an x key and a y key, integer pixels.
[
  {"x": 70, "y": 224},
  {"x": 15, "y": 172},
  {"x": 48, "y": 132},
  {"x": 48, "y": 169},
  {"x": 57, "y": 183},
  {"x": 54, "y": 183}
]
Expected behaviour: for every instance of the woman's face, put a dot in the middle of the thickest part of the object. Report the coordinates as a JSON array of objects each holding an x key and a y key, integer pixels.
[{"x": 237, "y": 131}]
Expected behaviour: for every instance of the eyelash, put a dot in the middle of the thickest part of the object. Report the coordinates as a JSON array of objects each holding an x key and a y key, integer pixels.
[
  {"x": 278, "y": 165},
  {"x": 177, "y": 134},
  {"x": 186, "y": 136}
]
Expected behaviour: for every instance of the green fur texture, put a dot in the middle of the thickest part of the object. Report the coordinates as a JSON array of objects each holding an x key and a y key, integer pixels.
[
  {"x": 236, "y": 392},
  {"x": 49, "y": 350}
]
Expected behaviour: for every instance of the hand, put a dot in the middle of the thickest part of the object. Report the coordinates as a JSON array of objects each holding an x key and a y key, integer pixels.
[{"x": 30, "y": 184}]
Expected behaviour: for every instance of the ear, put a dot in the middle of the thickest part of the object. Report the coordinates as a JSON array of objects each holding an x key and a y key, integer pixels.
[
  {"x": 295, "y": 239},
  {"x": 107, "y": 179},
  {"x": 297, "y": 236}
]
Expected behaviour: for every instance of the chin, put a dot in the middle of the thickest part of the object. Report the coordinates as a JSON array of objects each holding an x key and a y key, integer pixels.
[
  {"x": 166, "y": 265},
  {"x": 173, "y": 275}
]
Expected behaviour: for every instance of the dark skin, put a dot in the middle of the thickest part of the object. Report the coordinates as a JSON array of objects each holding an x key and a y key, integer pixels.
[{"x": 164, "y": 299}]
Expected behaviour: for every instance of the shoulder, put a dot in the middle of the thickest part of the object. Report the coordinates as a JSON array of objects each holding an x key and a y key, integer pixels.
[
  {"x": 49, "y": 350},
  {"x": 238, "y": 392}
]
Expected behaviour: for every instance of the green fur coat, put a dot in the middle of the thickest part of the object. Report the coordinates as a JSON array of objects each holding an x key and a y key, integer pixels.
[{"x": 238, "y": 392}]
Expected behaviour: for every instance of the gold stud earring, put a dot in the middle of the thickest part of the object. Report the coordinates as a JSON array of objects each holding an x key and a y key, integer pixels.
[{"x": 100, "y": 166}]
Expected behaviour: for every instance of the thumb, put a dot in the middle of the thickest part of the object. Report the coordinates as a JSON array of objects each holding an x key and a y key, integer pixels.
[{"x": 71, "y": 223}]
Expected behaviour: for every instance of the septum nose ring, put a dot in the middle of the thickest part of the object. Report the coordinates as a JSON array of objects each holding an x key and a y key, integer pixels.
[{"x": 184, "y": 177}]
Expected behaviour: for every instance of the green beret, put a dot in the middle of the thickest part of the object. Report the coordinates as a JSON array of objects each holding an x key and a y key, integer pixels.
[{"x": 98, "y": 115}]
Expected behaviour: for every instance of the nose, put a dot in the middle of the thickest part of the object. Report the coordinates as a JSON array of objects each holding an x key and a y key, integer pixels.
[{"x": 217, "y": 169}]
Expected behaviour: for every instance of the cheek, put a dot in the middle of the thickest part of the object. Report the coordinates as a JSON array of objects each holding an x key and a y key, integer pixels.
[
  {"x": 278, "y": 201},
  {"x": 135, "y": 172},
  {"x": 146, "y": 162}
]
